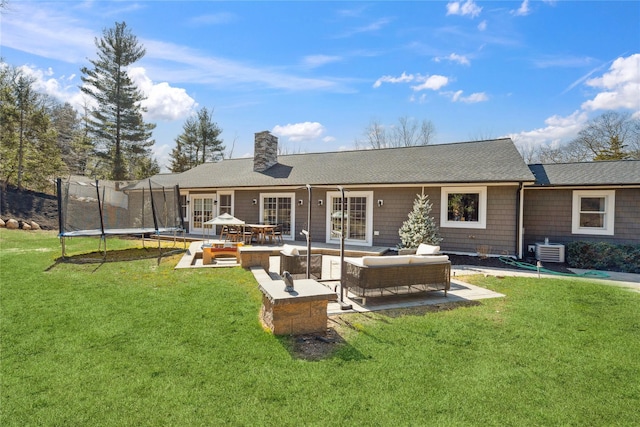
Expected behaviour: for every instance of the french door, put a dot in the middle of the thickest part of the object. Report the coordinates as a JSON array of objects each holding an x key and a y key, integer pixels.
[
  {"x": 277, "y": 209},
  {"x": 202, "y": 210},
  {"x": 358, "y": 216}
]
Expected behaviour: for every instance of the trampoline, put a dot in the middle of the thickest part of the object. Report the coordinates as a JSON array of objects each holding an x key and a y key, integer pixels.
[{"x": 103, "y": 208}]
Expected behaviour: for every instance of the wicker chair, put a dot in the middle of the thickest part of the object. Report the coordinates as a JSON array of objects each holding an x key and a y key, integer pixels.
[{"x": 295, "y": 262}]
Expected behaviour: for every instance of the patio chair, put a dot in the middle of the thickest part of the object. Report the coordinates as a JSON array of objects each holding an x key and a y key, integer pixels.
[
  {"x": 276, "y": 234},
  {"x": 247, "y": 236},
  {"x": 234, "y": 233},
  {"x": 224, "y": 233}
]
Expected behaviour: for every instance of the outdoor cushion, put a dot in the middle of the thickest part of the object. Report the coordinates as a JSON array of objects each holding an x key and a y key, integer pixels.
[
  {"x": 424, "y": 249},
  {"x": 385, "y": 260},
  {"x": 429, "y": 259},
  {"x": 290, "y": 250}
]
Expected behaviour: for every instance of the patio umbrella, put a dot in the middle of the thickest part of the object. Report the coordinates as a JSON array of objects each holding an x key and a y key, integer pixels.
[{"x": 224, "y": 219}]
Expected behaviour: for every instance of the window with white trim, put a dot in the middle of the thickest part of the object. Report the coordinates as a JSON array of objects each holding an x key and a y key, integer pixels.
[
  {"x": 225, "y": 203},
  {"x": 358, "y": 216},
  {"x": 279, "y": 209},
  {"x": 593, "y": 212},
  {"x": 463, "y": 207}
]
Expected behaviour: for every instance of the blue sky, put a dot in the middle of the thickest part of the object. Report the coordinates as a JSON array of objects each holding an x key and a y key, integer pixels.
[{"x": 316, "y": 74}]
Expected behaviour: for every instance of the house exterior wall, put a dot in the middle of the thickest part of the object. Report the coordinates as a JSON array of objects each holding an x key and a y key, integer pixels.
[
  {"x": 548, "y": 213},
  {"x": 499, "y": 235}
]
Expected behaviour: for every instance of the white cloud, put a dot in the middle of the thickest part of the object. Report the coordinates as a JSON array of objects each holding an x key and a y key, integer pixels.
[
  {"x": 471, "y": 99},
  {"x": 482, "y": 26},
  {"x": 434, "y": 82},
  {"x": 163, "y": 101},
  {"x": 621, "y": 86},
  {"x": 454, "y": 57},
  {"x": 314, "y": 61},
  {"x": 523, "y": 10},
  {"x": 404, "y": 78},
  {"x": 467, "y": 8},
  {"x": 62, "y": 88},
  {"x": 558, "y": 131},
  {"x": 299, "y": 131},
  {"x": 420, "y": 99}
]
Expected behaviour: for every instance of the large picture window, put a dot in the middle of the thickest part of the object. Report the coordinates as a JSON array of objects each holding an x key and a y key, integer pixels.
[
  {"x": 464, "y": 207},
  {"x": 593, "y": 212}
]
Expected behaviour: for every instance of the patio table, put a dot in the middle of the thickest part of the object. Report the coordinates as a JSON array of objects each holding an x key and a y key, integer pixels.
[{"x": 261, "y": 230}]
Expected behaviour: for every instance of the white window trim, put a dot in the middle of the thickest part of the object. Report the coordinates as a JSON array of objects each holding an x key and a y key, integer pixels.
[
  {"x": 609, "y": 212},
  {"x": 444, "y": 203},
  {"x": 369, "y": 232},
  {"x": 292, "y": 196},
  {"x": 225, "y": 193},
  {"x": 190, "y": 208}
]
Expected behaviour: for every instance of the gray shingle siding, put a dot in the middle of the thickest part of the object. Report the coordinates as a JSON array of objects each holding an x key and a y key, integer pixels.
[{"x": 548, "y": 213}]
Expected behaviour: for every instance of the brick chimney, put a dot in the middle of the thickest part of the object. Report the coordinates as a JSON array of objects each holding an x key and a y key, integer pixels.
[{"x": 265, "y": 152}]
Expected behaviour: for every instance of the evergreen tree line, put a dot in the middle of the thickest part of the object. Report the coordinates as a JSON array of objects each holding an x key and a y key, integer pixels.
[{"x": 41, "y": 138}]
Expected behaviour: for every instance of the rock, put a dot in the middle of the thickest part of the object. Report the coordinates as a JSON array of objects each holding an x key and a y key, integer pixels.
[
  {"x": 12, "y": 224},
  {"x": 2, "y": 224},
  {"x": 26, "y": 226},
  {"x": 34, "y": 225}
]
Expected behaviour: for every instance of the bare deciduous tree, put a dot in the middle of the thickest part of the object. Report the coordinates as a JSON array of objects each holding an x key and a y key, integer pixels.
[{"x": 407, "y": 132}]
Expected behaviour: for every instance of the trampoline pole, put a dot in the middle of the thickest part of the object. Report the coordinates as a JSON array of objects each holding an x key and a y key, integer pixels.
[
  {"x": 102, "y": 236},
  {"x": 60, "y": 219}
]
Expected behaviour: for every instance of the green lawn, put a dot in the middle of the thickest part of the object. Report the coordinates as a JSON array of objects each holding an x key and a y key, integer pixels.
[{"x": 137, "y": 343}]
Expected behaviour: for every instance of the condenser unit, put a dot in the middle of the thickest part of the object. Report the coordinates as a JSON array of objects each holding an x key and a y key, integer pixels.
[{"x": 550, "y": 252}]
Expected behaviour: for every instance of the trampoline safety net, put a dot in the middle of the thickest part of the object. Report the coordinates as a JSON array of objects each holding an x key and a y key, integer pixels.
[{"x": 100, "y": 208}]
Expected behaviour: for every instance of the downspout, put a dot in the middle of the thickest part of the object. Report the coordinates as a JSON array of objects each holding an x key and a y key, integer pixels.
[{"x": 520, "y": 220}]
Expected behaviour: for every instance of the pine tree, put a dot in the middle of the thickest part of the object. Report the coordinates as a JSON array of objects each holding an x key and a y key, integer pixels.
[
  {"x": 420, "y": 227},
  {"x": 28, "y": 149},
  {"x": 116, "y": 123},
  {"x": 198, "y": 143},
  {"x": 614, "y": 151}
]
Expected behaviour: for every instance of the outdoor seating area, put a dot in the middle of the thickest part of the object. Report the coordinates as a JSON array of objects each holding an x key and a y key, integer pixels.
[
  {"x": 236, "y": 230},
  {"x": 425, "y": 271}
]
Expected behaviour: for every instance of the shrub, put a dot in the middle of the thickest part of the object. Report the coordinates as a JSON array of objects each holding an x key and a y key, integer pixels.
[{"x": 604, "y": 256}]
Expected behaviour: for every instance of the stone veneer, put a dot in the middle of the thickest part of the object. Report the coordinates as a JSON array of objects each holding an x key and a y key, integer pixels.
[{"x": 265, "y": 152}]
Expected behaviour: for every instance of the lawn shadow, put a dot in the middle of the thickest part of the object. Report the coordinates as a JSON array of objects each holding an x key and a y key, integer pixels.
[
  {"x": 421, "y": 310},
  {"x": 119, "y": 255}
]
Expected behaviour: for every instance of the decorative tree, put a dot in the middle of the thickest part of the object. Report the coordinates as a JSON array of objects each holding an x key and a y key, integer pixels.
[{"x": 420, "y": 227}]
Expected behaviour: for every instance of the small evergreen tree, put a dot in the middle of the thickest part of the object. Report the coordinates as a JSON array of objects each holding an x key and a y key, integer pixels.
[{"x": 420, "y": 227}]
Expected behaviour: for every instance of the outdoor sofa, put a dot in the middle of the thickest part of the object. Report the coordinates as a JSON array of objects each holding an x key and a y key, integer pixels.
[
  {"x": 372, "y": 276},
  {"x": 294, "y": 261}
]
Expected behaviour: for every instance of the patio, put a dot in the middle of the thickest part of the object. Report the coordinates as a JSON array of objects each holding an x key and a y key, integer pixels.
[{"x": 459, "y": 292}]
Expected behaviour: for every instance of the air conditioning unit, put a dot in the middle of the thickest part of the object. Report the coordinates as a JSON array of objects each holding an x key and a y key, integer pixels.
[{"x": 550, "y": 252}]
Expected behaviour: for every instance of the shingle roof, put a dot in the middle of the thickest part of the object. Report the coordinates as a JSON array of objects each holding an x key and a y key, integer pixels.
[
  {"x": 469, "y": 162},
  {"x": 623, "y": 172}
]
